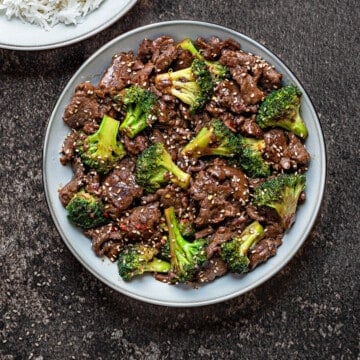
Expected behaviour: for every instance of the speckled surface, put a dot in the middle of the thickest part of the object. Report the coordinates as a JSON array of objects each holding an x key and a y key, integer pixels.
[{"x": 52, "y": 308}]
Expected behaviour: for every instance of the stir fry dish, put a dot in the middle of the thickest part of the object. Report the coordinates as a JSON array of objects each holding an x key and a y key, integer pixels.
[{"x": 189, "y": 160}]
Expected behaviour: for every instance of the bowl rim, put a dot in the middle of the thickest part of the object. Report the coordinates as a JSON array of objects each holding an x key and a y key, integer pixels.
[{"x": 316, "y": 208}]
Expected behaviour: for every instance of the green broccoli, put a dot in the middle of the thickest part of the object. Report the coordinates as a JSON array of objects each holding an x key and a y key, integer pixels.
[
  {"x": 136, "y": 259},
  {"x": 281, "y": 108},
  {"x": 235, "y": 251},
  {"x": 213, "y": 139},
  {"x": 281, "y": 193},
  {"x": 155, "y": 167},
  {"x": 250, "y": 157},
  {"x": 85, "y": 210},
  {"x": 192, "y": 85},
  {"x": 140, "y": 107},
  {"x": 254, "y": 144},
  {"x": 217, "y": 70},
  {"x": 186, "y": 257},
  {"x": 186, "y": 228},
  {"x": 217, "y": 139},
  {"x": 101, "y": 150},
  {"x": 164, "y": 253}
]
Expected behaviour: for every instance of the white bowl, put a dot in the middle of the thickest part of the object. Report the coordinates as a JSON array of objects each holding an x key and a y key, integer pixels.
[
  {"x": 26, "y": 36},
  {"x": 146, "y": 288}
]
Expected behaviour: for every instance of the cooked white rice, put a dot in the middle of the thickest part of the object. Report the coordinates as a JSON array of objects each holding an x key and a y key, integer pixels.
[{"x": 47, "y": 13}]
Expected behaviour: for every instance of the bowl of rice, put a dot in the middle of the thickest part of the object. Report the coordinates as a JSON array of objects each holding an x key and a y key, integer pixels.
[{"x": 44, "y": 24}]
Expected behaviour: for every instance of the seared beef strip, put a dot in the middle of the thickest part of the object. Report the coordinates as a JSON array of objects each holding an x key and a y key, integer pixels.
[
  {"x": 172, "y": 195},
  {"x": 263, "y": 250},
  {"x": 126, "y": 69},
  {"x": 203, "y": 233},
  {"x": 141, "y": 223},
  {"x": 296, "y": 150},
  {"x": 221, "y": 235},
  {"x": 118, "y": 75},
  {"x": 212, "y": 49},
  {"x": 164, "y": 53},
  {"x": 250, "y": 128},
  {"x": 168, "y": 110},
  {"x": 88, "y": 105},
  {"x": 106, "y": 240},
  {"x": 238, "y": 181},
  {"x": 184, "y": 59},
  {"x": 137, "y": 145},
  {"x": 215, "y": 208},
  {"x": 68, "y": 147},
  {"x": 264, "y": 74},
  {"x": 285, "y": 151},
  {"x": 145, "y": 50},
  {"x": 227, "y": 94},
  {"x": 75, "y": 184},
  {"x": 221, "y": 191},
  {"x": 93, "y": 183},
  {"x": 213, "y": 269},
  {"x": 119, "y": 188},
  {"x": 250, "y": 92}
]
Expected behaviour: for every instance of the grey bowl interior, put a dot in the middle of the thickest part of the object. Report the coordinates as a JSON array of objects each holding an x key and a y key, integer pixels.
[{"x": 146, "y": 288}]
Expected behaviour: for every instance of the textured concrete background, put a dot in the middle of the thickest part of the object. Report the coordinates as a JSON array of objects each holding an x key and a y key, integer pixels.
[{"x": 52, "y": 308}]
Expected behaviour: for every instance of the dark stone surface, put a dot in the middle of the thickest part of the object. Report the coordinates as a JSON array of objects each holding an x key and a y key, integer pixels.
[{"x": 52, "y": 308}]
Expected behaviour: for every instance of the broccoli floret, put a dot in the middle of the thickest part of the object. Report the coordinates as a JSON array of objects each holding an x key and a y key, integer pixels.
[
  {"x": 187, "y": 230},
  {"x": 186, "y": 227},
  {"x": 213, "y": 139},
  {"x": 251, "y": 159},
  {"x": 101, "y": 150},
  {"x": 136, "y": 259},
  {"x": 217, "y": 139},
  {"x": 185, "y": 257},
  {"x": 192, "y": 85},
  {"x": 155, "y": 167},
  {"x": 281, "y": 108},
  {"x": 235, "y": 251},
  {"x": 217, "y": 70},
  {"x": 164, "y": 253},
  {"x": 281, "y": 193},
  {"x": 140, "y": 107},
  {"x": 85, "y": 210}
]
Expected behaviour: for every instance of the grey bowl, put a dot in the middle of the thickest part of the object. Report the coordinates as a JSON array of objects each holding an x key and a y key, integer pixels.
[{"x": 146, "y": 288}]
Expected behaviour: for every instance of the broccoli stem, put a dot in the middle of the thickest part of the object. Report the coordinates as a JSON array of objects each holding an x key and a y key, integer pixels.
[
  {"x": 177, "y": 176},
  {"x": 235, "y": 251},
  {"x": 175, "y": 236},
  {"x": 134, "y": 122},
  {"x": 254, "y": 144},
  {"x": 157, "y": 265},
  {"x": 250, "y": 236},
  {"x": 192, "y": 85},
  {"x": 217, "y": 71},
  {"x": 188, "y": 45},
  {"x": 185, "y": 257},
  {"x": 196, "y": 147}
]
